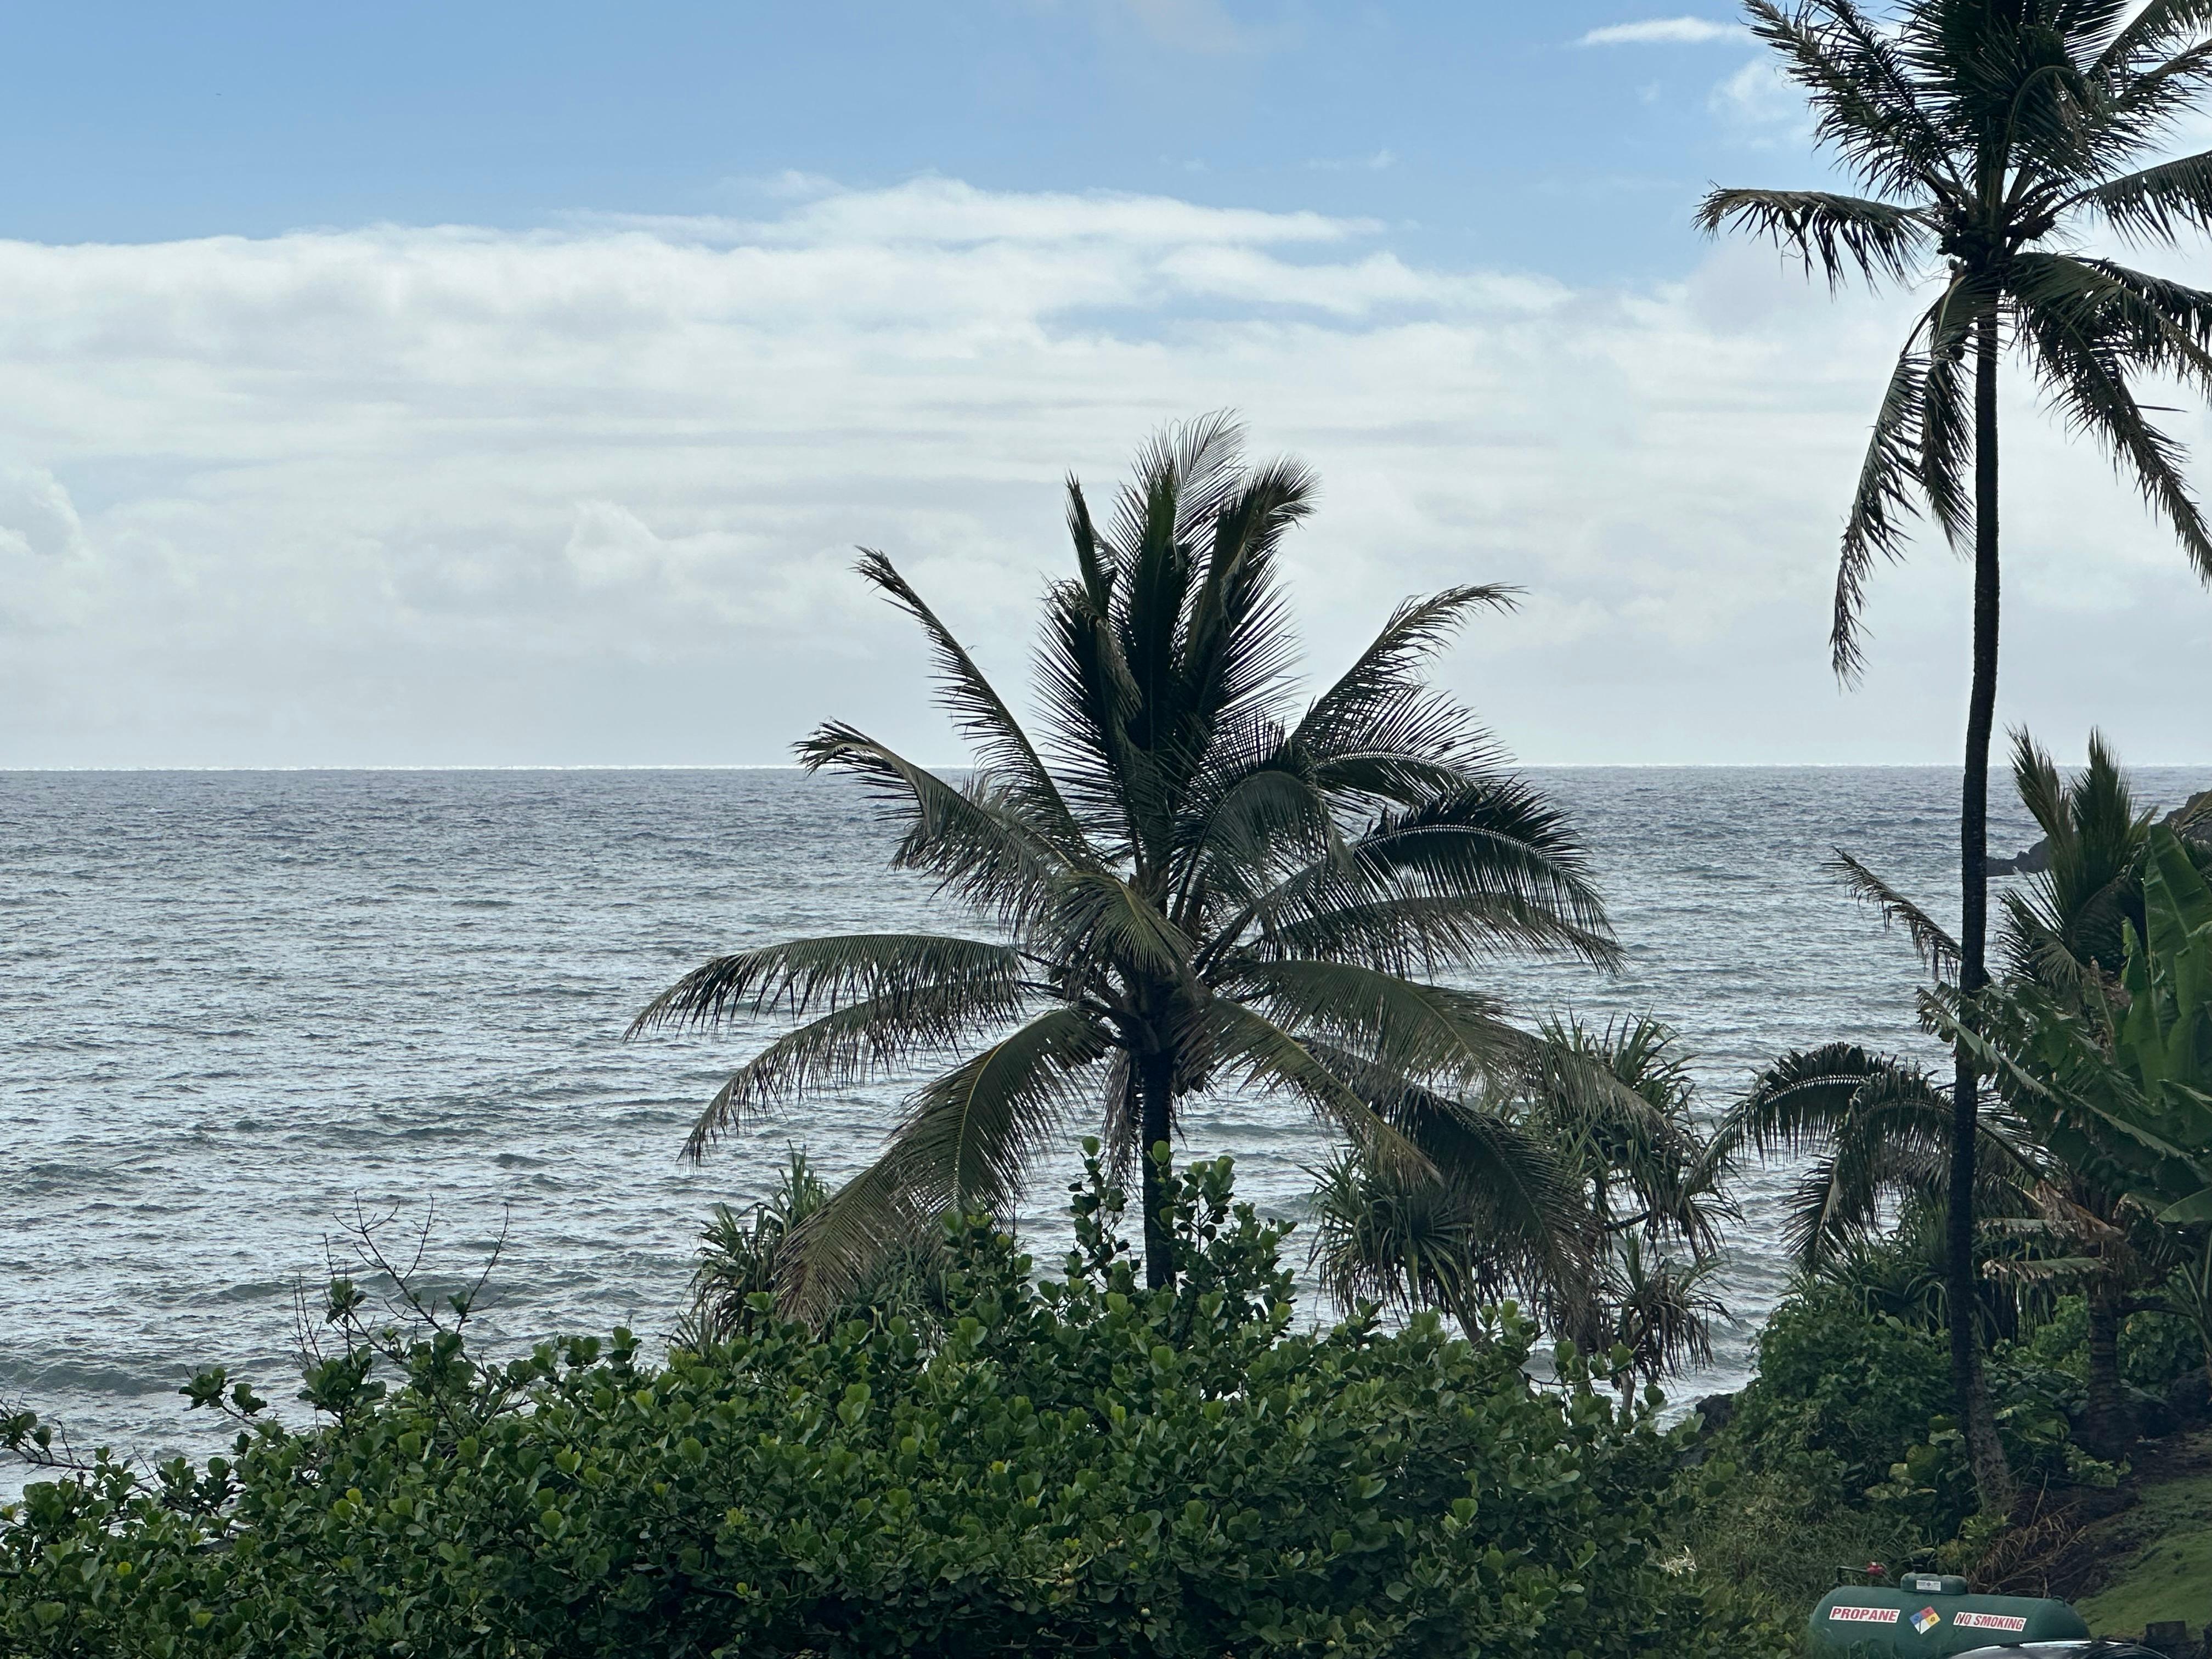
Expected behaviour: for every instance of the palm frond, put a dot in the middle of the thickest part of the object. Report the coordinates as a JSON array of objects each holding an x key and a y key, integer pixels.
[
  {"x": 2152, "y": 33},
  {"x": 1257, "y": 1052},
  {"x": 1381, "y": 688},
  {"x": 1810, "y": 1095},
  {"x": 802, "y": 975},
  {"x": 1918, "y": 451},
  {"x": 1870, "y": 106},
  {"x": 2144, "y": 321},
  {"x": 1426, "y": 1032},
  {"x": 1237, "y": 649},
  {"x": 2155, "y": 203},
  {"x": 1499, "y": 840},
  {"x": 1095, "y": 918},
  {"x": 2086, "y": 377},
  {"x": 1003, "y": 748},
  {"x": 967, "y": 1140},
  {"x": 975, "y": 843},
  {"x": 868, "y": 1039},
  {"x": 1420, "y": 935},
  {"x": 1089, "y": 699},
  {"x": 1931, "y": 942},
  {"x": 1842, "y": 236}
]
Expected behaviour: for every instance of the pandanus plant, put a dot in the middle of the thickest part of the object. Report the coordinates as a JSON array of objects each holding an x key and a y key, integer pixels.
[{"x": 1192, "y": 879}]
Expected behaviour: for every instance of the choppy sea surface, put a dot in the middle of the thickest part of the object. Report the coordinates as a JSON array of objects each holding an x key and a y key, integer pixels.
[{"x": 239, "y": 1009}]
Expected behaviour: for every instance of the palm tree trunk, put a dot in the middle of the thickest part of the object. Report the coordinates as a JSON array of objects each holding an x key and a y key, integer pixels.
[
  {"x": 2105, "y": 1418},
  {"x": 1156, "y": 1099},
  {"x": 1969, "y": 1387}
]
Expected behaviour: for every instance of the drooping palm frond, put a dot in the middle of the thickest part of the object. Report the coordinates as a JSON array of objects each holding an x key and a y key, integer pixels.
[
  {"x": 1877, "y": 1131},
  {"x": 2084, "y": 374},
  {"x": 968, "y": 1137},
  {"x": 1919, "y": 451},
  {"x": 974, "y": 844},
  {"x": 2156, "y": 203},
  {"x": 873, "y": 1038},
  {"x": 1842, "y": 236},
  {"x": 1931, "y": 942},
  {"x": 800, "y": 975},
  {"x": 1242, "y": 1046}
]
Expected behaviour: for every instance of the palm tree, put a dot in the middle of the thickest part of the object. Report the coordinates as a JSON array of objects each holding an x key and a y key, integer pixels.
[
  {"x": 1880, "y": 1128},
  {"x": 1876, "y": 1132},
  {"x": 1985, "y": 133},
  {"x": 1194, "y": 880},
  {"x": 1599, "y": 1211},
  {"x": 2069, "y": 926}
]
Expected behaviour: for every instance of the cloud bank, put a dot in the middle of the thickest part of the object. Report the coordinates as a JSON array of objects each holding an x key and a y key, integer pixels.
[{"x": 410, "y": 495}]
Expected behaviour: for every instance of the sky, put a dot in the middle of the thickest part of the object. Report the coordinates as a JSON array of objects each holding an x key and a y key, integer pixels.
[{"x": 493, "y": 384}]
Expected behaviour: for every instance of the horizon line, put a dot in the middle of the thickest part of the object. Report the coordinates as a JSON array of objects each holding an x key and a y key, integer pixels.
[{"x": 967, "y": 765}]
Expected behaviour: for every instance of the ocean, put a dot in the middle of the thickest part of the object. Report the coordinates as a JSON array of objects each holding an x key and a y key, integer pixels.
[{"x": 239, "y": 1010}]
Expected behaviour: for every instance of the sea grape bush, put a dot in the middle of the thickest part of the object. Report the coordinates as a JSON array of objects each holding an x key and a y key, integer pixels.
[{"x": 1061, "y": 1467}]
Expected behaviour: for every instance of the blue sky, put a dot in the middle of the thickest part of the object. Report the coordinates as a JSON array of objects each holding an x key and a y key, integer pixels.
[
  {"x": 1483, "y": 132},
  {"x": 492, "y": 385}
]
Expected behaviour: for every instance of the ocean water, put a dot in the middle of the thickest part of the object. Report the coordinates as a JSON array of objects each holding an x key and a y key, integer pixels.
[{"x": 238, "y": 1010}]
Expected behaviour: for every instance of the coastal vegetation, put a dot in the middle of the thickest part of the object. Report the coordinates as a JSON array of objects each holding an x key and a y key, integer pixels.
[
  {"x": 1079, "y": 1464},
  {"x": 1987, "y": 139},
  {"x": 881, "y": 1426}
]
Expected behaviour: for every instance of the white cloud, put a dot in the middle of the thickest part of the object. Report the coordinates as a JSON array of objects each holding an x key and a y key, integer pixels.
[
  {"x": 1759, "y": 95},
  {"x": 1665, "y": 32},
  {"x": 448, "y": 495}
]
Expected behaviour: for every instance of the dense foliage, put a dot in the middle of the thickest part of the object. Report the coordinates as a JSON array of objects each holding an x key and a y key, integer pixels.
[
  {"x": 1846, "y": 1449},
  {"x": 1599, "y": 1213},
  {"x": 1064, "y": 1466}
]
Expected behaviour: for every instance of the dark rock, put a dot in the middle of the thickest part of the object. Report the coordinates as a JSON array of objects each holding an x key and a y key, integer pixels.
[
  {"x": 2034, "y": 861},
  {"x": 1714, "y": 1412},
  {"x": 2154, "y": 1419},
  {"x": 2170, "y": 1637},
  {"x": 2192, "y": 819}
]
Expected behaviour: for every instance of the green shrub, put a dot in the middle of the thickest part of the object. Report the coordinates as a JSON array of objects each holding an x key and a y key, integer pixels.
[
  {"x": 1074, "y": 1466},
  {"x": 1840, "y": 1395},
  {"x": 2156, "y": 1347},
  {"x": 1850, "y": 1451}
]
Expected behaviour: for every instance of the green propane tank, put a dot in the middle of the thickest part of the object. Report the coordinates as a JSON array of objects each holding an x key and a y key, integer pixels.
[{"x": 1931, "y": 1615}]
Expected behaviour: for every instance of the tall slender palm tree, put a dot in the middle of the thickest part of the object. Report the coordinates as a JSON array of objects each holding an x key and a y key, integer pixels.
[
  {"x": 1195, "y": 880},
  {"x": 1986, "y": 134}
]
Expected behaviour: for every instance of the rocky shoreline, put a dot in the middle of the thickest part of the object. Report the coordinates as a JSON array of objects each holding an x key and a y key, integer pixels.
[{"x": 2192, "y": 820}]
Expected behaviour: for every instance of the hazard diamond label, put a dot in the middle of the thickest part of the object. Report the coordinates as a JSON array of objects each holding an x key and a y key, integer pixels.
[
  {"x": 1926, "y": 1620},
  {"x": 1864, "y": 1615},
  {"x": 1989, "y": 1621}
]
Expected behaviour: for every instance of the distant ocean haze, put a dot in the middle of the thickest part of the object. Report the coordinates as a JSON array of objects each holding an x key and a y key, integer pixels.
[{"x": 235, "y": 1007}]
